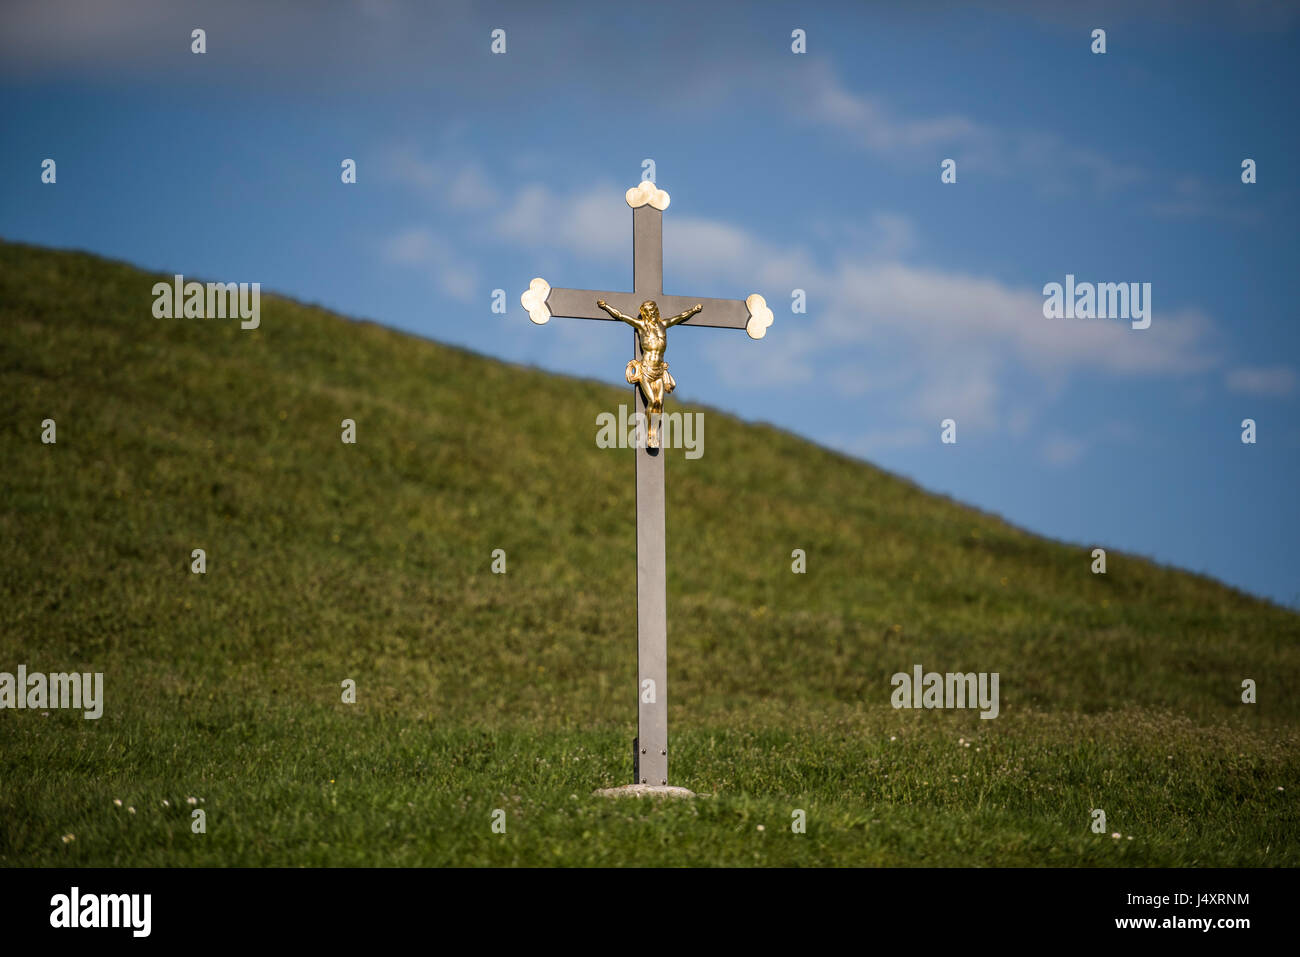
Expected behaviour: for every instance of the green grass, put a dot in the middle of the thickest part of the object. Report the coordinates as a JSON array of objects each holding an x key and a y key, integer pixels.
[{"x": 479, "y": 692}]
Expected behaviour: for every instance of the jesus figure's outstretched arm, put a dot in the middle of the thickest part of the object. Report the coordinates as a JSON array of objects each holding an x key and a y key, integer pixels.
[
  {"x": 684, "y": 316},
  {"x": 633, "y": 321}
]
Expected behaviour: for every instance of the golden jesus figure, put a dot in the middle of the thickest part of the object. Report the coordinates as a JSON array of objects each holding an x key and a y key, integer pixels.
[{"x": 651, "y": 372}]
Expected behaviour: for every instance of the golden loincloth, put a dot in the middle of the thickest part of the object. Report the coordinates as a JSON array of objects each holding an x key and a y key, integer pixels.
[{"x": 634, "y": 374}]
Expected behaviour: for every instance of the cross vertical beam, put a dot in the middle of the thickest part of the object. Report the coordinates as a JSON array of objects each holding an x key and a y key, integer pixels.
[{"x": 651, "y": 526}]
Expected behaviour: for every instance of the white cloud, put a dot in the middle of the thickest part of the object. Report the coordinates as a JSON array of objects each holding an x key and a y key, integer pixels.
[
  {"x": 371, "y": 45},
  {"x": 894, "y": 234},
  {"x": 818, "y": 96},
  {"x": 956, "y": 312},
  {"x": 469, "y": 189},
  {"x": 781, "y": 360},
  {"x": 422, "y": 248},
  {"x": 1062, "y": 450},
  {"x": 1194, "y": 198},
  {"x": 876, "y": 441},
  {"x": 587, "y": 224},
  {"x": 1267, "y": 382},
  {"x": 463, "y": 186}
]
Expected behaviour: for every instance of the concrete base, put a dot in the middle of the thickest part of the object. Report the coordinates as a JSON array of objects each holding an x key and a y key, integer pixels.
[{"x": 644, "y": 790}]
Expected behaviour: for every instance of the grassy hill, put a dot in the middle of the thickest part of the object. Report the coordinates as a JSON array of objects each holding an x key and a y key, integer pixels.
[{"x": 478, "y": 691}]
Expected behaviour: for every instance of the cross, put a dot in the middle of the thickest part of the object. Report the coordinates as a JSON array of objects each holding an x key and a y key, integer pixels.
[{"x": 650, "y": 749}]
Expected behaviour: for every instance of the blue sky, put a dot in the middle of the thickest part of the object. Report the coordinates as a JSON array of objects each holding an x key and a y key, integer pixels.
[{"x": 818, "y": 171}]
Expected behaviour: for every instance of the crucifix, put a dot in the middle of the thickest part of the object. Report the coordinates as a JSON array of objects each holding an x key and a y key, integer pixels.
[{"x": 644, "y": 309}]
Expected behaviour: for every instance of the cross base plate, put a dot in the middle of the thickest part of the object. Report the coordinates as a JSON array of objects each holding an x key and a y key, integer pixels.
[{"x": 644, "y": 790}]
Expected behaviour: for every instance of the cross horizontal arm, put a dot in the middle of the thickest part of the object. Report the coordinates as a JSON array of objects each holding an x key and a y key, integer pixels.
[{"x": 581, "y": 304}]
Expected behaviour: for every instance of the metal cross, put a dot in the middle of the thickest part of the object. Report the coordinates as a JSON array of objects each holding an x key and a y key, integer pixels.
[{"x": 650, "y": 750}]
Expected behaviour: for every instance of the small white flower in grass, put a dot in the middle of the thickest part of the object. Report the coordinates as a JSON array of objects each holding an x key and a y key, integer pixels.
[
  {"x": 191, "y": 800},
  {"x": 1280, "y": 788},
  {"x": 131, "y": 809},
  {"x": 893, "y": 738},
  {"x": 117, "y": 801},
  {"x": 1130, "y": 837},
  {"x": 166, "y": 803},
  {"x": 69, "y": 838},
  {"x": 1116, "y": 835},
  {"x": 761, "y": 828}
]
